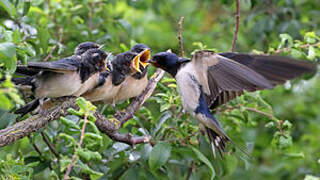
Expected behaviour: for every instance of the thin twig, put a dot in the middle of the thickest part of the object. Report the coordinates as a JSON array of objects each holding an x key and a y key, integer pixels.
[
  {"x": 230, "y": 108},
  {"x": 260, "y": 112},
  {"x": 180, "y": 36},
  {"x": 91, "y": 9},
  {"x": 302, "y": 46},
  {"x": 52, "y": 149},
  {"x": 35, "y": 147},
  {"x": 236, "y": 30},
  {"x": 60, "y": 32},
  {"x": 190, "y": 170},
  {"x": 69, "y": 168}
]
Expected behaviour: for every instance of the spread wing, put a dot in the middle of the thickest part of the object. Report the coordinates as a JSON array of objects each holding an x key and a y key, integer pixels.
[
  {"x": 276, "y": 69},
  {"x": 224, "y": 79},
  {"x": 63, "y": 65}
]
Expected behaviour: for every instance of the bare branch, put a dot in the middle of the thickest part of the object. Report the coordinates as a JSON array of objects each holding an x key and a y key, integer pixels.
[
  {"x": 36, "y": 122},
  {"x": 108, "y": 126},
  {"x": 236, "y": 30},
  {"x": 180, "y": 36}
]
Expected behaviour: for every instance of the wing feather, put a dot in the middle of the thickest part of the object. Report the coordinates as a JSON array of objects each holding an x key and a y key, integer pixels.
[
  {"x": 227, "y": 75},
  {"x": 66, "y": 64},
  {"x": 225, "y": 79}
]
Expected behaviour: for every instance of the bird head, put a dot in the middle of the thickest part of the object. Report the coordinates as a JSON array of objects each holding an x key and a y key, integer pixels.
[
  {"x": 168, "y": 61},
  {"x": 126, "y": 63},
  {"x": 95, "y": 58},
  {"x": 85, "y": 46},
  {"x": 143, "y": 57}
]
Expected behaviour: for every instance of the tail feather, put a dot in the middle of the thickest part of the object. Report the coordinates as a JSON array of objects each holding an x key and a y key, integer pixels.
[
  {"x": 24, "y": 70},
  {"x": 23, "y": 81},
  {"x": 219, "y": 143},
  {"x": 31, "y": 106}
]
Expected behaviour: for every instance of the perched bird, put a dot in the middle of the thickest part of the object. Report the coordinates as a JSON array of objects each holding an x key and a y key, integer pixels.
[
  {"x": 133, "y": 85},
  {"x": 209, "y": 80},
  {"x": 76, "y": 57},
  {"x": 66, "y": 77},
  {"x": 126, "y": 79}
]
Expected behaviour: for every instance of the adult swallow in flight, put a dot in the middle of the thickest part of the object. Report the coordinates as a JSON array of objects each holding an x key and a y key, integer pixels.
[{"x": 209, "y": 80}]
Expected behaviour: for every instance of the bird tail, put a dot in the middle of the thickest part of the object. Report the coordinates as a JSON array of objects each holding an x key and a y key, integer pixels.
[
  {"x": 28, "y": 107},
  {"x": 25, "y": 81},
  {"x": 217, "y": 142},
  {"x": 26, "y": 71}
]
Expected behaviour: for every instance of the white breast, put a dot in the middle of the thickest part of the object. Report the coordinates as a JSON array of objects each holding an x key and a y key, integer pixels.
[
  {"x": 131, "y": 87},
  {"x": 188, "y": 88},
  {"x": 105, "y": 93}
]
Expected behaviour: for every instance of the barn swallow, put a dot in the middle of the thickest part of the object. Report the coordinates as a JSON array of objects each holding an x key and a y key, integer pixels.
[
  {"x": 134, "y": 85},
  {"x": 76, "y": 57},
  {"x": 127, "y": 78},
  {"x": 209, "y": 80},
  {"x": 66, "y": 77}
]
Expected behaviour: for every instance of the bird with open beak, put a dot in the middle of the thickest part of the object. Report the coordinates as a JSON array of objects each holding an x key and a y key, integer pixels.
[
  {"x": 209, "y": 80},
  {"x": 133, "y": 85},
  {"x": 70, "y": 76},
  {"x": 127, "y": 78}
]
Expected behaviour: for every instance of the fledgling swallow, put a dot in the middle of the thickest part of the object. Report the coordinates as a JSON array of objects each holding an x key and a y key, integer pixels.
[
  {"x": 66, "y": 77},
  {"x": 127, "y": 78},
  {"x": 209, "y": 80},
  {"x": 134, "y": 85},
  {"x": 76, "y": 57}
]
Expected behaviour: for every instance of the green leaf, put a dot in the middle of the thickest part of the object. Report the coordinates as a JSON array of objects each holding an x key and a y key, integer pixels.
[
  {"x": 75, "y": 112},
  {"x": 285, "y": 141},
  {"x": 311, "y": 53},
  {"x": 43, "y": 36},
  {"x": 69, "y": 123},
  {"x": 295, "y": 155},
  {"x": 16, "y": 36},
  {"x": 88, "y": 155},
  {"x": 296, "y": 53},
  {"x": 310, "y": 37},
  {"x": 8, "y": 56},
  {"x": 5, "y": 102},
  {"x": 159, "y": 155},
  {"x": 205, "y": 160},
  {"x": 26, "y": 7},
  {"x": 269, "y": 124},
  {"x": 8, "y": 7},
  {"x": 86, "y": 169}
]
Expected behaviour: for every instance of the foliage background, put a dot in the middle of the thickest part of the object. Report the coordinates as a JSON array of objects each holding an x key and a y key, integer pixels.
[{"x": 284, "y": 147}]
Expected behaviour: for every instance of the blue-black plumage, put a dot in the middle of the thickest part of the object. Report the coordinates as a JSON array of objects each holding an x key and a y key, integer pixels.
[{"x": 211, "y": 79}]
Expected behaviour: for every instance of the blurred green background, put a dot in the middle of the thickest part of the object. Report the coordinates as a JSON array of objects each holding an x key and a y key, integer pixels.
[{"x": 286, "y": 146}]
